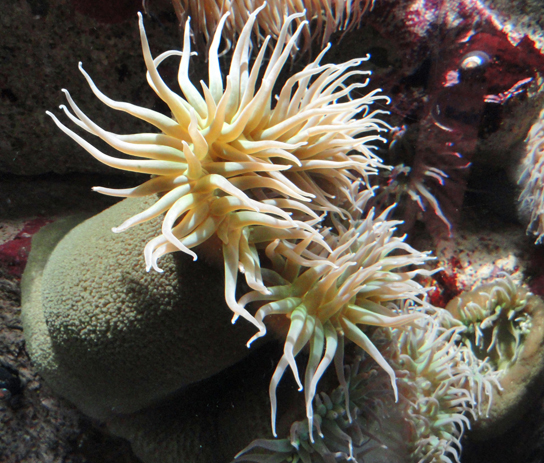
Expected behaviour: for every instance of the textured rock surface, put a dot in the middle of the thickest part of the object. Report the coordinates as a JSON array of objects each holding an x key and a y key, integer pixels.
[
  {"x": 42, "y": 42},
  {"x": 474, "y": 257},
  {"x": 113, "y": 338}
]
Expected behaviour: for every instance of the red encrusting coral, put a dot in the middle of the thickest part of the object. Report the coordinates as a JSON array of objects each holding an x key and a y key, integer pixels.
[{"x": 446, "y": 285}]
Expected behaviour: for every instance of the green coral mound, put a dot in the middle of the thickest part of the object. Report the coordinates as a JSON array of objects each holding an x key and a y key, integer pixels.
[{"x": 111, "y": 337}]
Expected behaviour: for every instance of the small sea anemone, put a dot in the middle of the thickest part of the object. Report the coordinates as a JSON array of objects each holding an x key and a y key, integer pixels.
[
  {"x": 496, "y": 321},
  {"x": 414, "y": 185},
  {"x": 531, "y": 180},
  {"x": 504, "y": 327},
  {"x": 345, "y": 421},
  {"x": 440, "y": 384},
  {"x": 228, "y": 160},
  {"x": 327, "y": 296},
  {"x": 326, "y": 16}
]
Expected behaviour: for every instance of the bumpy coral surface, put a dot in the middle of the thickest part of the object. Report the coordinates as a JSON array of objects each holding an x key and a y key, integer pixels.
[{"x": 112, "y": 338}]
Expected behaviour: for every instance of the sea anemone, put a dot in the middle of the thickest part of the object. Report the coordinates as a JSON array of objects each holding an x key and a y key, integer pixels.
[
  {"x": 531, "y": 199},
  {"x": 496, "y": 320},
  {"x": 327, "y": 295},
  {"x": 413, "y": 182},
  {"x": 504, "y": 326},
  {"x": 440, "y": 382},
  {"x": 345, "y": 420},
  {"x": 440, "y": 385},
  {"x": 326, "y": 16},
  {"x": 228, "y": 160}
]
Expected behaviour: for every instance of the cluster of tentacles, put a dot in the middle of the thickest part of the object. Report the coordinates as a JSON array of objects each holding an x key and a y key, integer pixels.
[
  {"x": 327, "y": 17},
  {"x": 327, "y": 295},
  {"x": 283, "y": 184},
  {"x": 496, "y": 319},
  {"x": 230, "y": 163},
  {"x": 441, "y": 386},
  {"x": 227, "y": 162}
]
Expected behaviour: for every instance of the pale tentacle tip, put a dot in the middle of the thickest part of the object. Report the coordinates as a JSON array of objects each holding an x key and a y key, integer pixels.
[
  {"x": 258, "y": 335},
  {"x": 153, "y": 266},
  {"x": 157, "y": 268}
]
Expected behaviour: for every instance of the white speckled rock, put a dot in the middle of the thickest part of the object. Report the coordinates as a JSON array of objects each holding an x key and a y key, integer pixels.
[{"x": 474, "y": 258}]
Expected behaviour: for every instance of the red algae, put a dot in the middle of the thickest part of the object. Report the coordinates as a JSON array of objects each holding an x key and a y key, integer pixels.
[{"x": 14, "y": 253}]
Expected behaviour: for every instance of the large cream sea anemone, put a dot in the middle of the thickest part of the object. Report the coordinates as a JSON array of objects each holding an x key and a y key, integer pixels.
[{"x": 232, "y": 159}]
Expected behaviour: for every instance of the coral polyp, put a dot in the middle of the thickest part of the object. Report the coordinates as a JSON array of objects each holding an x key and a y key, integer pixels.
[{"x": 229, "y": 159}]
